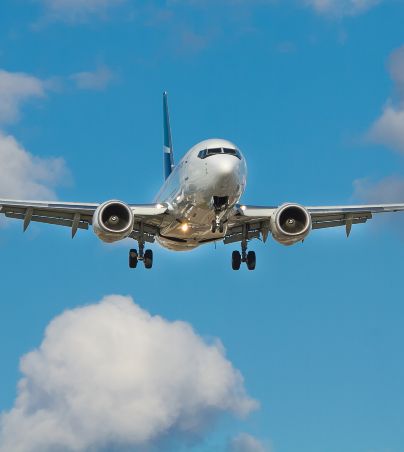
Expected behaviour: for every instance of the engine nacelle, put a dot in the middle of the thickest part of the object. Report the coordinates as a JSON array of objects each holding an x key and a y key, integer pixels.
[
  {"x": 113, "y": 221},
  {"x": 290, "y": 224}
]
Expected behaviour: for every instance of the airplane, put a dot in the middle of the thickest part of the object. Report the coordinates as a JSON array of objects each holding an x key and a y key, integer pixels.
[{"x": 199, "y": 203}]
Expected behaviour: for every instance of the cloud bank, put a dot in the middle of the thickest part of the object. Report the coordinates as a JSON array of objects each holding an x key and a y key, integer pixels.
[
  {"x": 387, "y": 190},
  {"x": 388, "y": 129},
  {"x": 77, "y": 9},
  {"x": 246, "y": 443},
  {"x": 342, "y": 7},
  {"x": 83, "y": 10},
  {"x": 110, "y": 376},
  {"x": 15, "y": 89},
  {"x": 93, "y": 80},
  {"x": 23, "y": 175}
]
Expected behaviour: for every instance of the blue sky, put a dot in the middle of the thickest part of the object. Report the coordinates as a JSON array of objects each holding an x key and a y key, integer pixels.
[{"x": 313, "y": 93}]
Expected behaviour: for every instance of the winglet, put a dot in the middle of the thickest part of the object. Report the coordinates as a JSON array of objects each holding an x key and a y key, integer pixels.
[{"x": 168, "y": 143}]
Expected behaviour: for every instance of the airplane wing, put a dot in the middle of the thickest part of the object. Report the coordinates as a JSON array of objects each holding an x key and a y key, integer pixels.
[
  {"x": 80, "y": 215},
  {"x": 256, "y": 219}
]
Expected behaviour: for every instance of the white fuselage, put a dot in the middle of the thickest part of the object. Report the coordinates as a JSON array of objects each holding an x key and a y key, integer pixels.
[{"x": 201, "y": 189}]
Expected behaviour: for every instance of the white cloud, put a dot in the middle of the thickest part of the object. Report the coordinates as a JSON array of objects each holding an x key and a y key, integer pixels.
[
  {"x": 387, "y": 190},
  {"x": 95, "y": 80},
  {"x": 342, "y": 7},
  {"x": 16, "y": 88},
  {"x": 388, "y": 129},
  {"x": 23, "y": 175},
  {"x": 110, "y": 376},
  {"x": 246, "y": 443},
  {"x": 78, "y": 9},
  {"x": 396, "y": 67}
]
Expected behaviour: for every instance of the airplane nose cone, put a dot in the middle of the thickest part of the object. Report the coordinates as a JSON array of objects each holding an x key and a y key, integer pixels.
[
  {"x": 225, "y": 174},
  {"x": 227, "y": 165}
]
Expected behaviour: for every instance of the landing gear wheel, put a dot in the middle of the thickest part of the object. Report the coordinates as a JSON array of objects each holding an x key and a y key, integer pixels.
[
  {"x": 133, "y": 258},
  {"x": 236, "y": 260},
  {"x": 148, "y": 259},
  {"x": 251, "y": 260},
  {"x": 217, "y": 226}
]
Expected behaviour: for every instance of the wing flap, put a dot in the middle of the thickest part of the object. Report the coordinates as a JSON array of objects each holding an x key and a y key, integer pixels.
[
  {"x": 336, "y": 223},
  {"x": 47, "y": 213},
  {"x": 49, "y": 220},
  {"x": 147, "y": 217},
  {"x": 238, "y": 237}
]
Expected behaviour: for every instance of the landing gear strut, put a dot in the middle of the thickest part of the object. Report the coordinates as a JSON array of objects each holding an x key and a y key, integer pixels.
[{"x": 248, "y": 257}]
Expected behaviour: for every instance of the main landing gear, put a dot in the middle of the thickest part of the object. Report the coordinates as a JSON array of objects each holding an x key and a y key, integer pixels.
[
  {"x": 249, "y": 258},
  {"x": 145, "y": 256}
]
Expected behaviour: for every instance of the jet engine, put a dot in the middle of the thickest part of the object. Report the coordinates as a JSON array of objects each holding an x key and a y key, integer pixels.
[
  {"x": 291, "y": 223},
  {"x": 113, "y": 221}
]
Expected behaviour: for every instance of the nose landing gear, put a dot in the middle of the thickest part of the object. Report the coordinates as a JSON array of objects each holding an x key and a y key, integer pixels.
[
  {"x": 217, "y": 225},
  {"x": 220, "y": 203}
]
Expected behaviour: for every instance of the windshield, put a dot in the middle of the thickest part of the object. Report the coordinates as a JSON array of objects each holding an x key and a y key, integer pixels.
[{"x": 214, "y": 151}]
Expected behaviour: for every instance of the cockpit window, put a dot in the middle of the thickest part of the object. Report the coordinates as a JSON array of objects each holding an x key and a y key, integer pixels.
[
  {"x": 214, "y": 151},
  {"x": 230, "y": 151}
]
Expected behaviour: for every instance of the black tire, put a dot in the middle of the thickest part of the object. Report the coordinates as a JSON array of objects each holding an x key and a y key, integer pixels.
[
  {"x": 213, "y": 228},
  {"x": 251, "y": 260},
  {"x": 148, "y": 259},
  {"x": 235, "y": 260},
  {"x": 133, "y": 258}
]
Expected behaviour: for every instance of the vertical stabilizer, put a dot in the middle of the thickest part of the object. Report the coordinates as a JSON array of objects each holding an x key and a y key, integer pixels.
[{"x": 168, "y": 143}]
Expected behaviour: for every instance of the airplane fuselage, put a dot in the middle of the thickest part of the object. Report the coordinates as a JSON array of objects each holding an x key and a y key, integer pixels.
[{"x": 202, "y": 190}]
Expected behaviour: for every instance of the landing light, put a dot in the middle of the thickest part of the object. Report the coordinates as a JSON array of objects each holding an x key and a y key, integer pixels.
[
  {"x": 184, "y": 227},
  {"x": 243, "y": 208}
]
